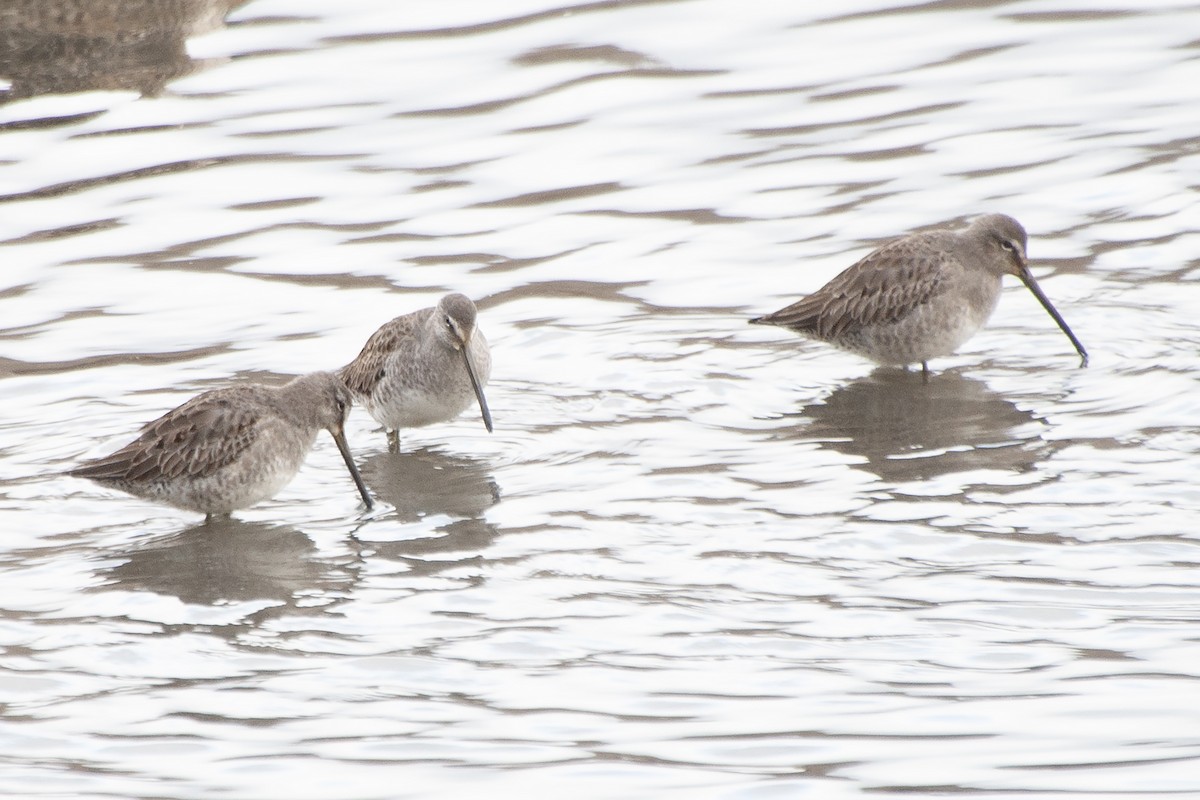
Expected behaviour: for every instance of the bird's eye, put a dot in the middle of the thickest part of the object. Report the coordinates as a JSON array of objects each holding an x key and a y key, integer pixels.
[
  {"x": 1009, "y": 246},
  {"x": 449, "y": 322}
]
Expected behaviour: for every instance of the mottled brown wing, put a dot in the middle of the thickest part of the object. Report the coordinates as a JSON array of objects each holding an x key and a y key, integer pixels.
[
  {"x": 881, "y": 288},
  {"x": 201, "y": 436},
  {"x": 361, "y": 374}
]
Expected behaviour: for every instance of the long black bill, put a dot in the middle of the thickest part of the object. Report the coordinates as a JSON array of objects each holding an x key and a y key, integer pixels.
[
  {"x": 1031, "y": 284},
  {"x": 339, "y": 436},
  {"x": 483, "y": 406}
]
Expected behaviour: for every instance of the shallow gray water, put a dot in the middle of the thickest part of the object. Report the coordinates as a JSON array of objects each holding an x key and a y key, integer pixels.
[{"x": 696, "y": 558}]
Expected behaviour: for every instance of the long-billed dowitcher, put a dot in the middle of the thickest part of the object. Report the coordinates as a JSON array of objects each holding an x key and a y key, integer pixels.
[
  {"x": 229, "y": 448},
  {"x": 920, "y": 296},
  {"x": 423, "y": 367}
]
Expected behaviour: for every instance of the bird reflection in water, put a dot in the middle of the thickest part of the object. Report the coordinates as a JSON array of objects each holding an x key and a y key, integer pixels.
[
  {"x": 63, "y": 46},
  {"x": 226, "y": 559},
  {"x": 427, "y": 484},
  {"x": 908, "y": 429}
]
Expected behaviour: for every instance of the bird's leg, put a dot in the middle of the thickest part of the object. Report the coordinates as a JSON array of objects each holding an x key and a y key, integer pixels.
[
  {"x": 924, "y": 372},
  {"x": 393, "y": 437}
]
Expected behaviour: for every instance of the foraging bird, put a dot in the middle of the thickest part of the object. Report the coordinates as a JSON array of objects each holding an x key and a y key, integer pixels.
[
  {"x": 423, "y": 367},
  {"x": 230, "y": 448},
  {"x": 919, "y": 296}
]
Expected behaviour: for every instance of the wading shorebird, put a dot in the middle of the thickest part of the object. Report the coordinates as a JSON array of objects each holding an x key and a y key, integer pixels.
[
  {"x": 230, "y": 448},
  {"x": 920, "y": 296},
  {"x": 423, "y": 367}
]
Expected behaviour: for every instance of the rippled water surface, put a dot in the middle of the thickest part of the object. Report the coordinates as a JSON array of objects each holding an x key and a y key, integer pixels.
[{"x": 696, "y": 558}]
